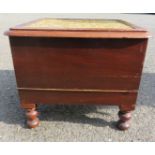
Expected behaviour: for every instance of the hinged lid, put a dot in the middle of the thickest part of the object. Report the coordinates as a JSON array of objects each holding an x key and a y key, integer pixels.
[{"x": 78, "y": 28}]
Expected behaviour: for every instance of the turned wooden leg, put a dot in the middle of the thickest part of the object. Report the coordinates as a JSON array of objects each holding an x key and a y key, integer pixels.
[
  {"x": 32, "y": 118},
  {"x": 124, "y": 120}
]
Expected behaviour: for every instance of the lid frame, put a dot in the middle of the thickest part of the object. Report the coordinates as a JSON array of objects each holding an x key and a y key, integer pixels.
[{"x": 135, "y": 32}]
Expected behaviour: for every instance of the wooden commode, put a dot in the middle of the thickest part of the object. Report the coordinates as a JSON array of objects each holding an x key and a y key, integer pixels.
[{"x": 75, "y": 61}]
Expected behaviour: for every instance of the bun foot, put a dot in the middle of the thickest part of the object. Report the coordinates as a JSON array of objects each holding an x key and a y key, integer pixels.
[
  {"x": 123, "y": 125},
  {"x": 33, "y": 123},
  {"x": 32, "y": 118},
  {"x": 124, "y": 120}
]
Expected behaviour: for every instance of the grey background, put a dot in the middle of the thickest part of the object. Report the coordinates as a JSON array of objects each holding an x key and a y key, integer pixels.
[{"x": 75, "y": 123}]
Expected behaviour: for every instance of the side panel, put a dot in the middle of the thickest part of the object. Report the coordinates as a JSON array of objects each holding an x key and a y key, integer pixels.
[
  {"x": 78, "y": 63},
  {"x": 111, "y": 65}
]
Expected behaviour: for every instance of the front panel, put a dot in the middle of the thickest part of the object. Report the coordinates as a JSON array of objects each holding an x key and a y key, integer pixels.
[{"x": 106, "y": 64}]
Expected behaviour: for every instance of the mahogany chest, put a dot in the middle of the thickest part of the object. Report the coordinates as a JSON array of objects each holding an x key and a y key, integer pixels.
[{"x": 74, "y": 61}]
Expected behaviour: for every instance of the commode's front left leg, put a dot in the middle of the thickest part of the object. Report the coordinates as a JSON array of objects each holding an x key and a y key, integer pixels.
[{"x": 32, "y": 119}]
